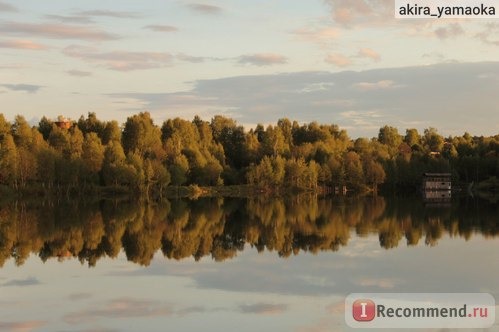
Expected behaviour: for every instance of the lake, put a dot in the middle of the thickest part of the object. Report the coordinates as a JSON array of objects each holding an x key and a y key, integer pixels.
[{"x": 264, "y": 264}]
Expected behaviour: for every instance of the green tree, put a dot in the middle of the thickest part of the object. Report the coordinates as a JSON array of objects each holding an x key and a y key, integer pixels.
[
  {"x": 111, "y": 132},
  {"x": 27, "y": 166},
  {"x": 390, "y": 137},
  {"x": 374, "y": 173},
  {"x": 93, "y": 152},
  {"x": 114, "y": 170},
  {"x": 294, "y": 172},
  {"x": 46, "y": 159},
  {"x": 161, "y": 178},
  {"x": 45, "y": 127},
  {"x": 140, "y": 136},
  {"x": 286, "y": 128},
  {"x": 76, "y": 143},
  {"x": 21, "y": 131},
  {"x": 4, "y": 126},
  {"x": 412, "y": 137},
  {"x": 354, "y": 172},
  {"x": 9, "y": 161},
  {"x": 273, "y": 143},
  {"x": 432, "y": 140},
  {"x": 268, "y": 173},
  {"x": 59, "y": 139},
  {"x": 91, "y": 124},
  {"x": 179, "y": 169}
]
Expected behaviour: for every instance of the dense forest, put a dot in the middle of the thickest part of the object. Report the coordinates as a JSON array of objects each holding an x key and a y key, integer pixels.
[
  {"x": 222, "y": 227},
  {"x": 87, "y": 155}
]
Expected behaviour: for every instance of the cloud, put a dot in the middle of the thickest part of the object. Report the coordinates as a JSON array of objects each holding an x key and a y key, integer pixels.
[
  {"x": 262, "y": 59},
  {"x": 182, "y": 104},
  {"x": 70, "y": 19},
  {"x": 450, "y": 31},
  {"x": 190, "y": 58},
  {"x": 29, "y": 88},
  {"x": 22, "y": 44},
  {"x": 22, "y": 326},
  {"x": 393, "y": 96},
  {"x": 205, "y": 9},
  {"x": 161, "y": 28},
  {"x": 193, "y": 310},
  {"x": 79, "y": 296},
  {"x": 341, "y": 60},
  {"x": 5, "y": 7},
  {"x": 108, "y": 13},
  {"x": 338, "y": 60},
  {"x": 363, "y": 119},
  {"x": 336, "y": 308},
  {"x": 379, "y": 85},
  {"x": 315, "y": 87},
  {"x": 57, "y": 31},
  {"x": 263, "y": 308},
  {"x": 79, "y": 73},
  {"x": 434, "y": 55},
  {"x": 120, "y": 60},
  {"x": 131, "y": 308},
  {"x": 369, "y": 53},
  {"x": 491, "y": 29},
  {"x": 120, "y": 308},
  {"x": 350, "y": 13},
  {"x": 30, "y": 281}
]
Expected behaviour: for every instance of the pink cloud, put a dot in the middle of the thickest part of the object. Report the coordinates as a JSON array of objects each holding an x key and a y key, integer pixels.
[
  {"x": 338, "y": 60},
  {"x": 369, "y": 53},
  {"x": 121, "y": 60},
  {"x": 336, "y": 308},
  {"x": 21, "y": 326},
  {"x": 161, "y": 28},
  {"x": 56, "y": 30},
  {"x": 121, "y": 308},
  {"x": 204, "y": 8},
  {"x": 350, "y": 13},
  {"x": 380, "y": 85},
  {"x": 108, "y": 13},
  {"x": 22, "y": 44}
]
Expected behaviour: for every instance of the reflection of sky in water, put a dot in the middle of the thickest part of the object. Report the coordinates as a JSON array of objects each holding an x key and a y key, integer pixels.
[{"x": 261, "y": 292}]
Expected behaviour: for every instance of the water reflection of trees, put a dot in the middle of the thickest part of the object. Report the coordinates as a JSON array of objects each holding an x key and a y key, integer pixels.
[{"x": 222, "y": 227}]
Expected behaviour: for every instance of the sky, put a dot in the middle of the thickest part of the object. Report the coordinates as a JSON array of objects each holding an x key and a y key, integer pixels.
[{"x": 347, "y": 62}]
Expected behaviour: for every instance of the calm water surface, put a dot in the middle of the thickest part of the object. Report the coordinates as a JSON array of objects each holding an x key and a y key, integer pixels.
[{"x": 233, "y": 264}]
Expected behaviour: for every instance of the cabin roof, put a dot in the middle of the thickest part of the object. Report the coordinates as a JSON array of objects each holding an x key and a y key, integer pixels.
[{"x": 438, "y": 174}]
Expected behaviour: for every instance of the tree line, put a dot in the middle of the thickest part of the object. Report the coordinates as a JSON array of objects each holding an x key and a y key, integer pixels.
[
  {"x": 142, "y": 157},
  {"x": 222, "y": 227}
]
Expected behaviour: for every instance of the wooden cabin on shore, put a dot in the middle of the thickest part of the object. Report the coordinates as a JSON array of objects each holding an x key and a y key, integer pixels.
[
  {"x": 437, "y": 188},
  {"x": 437, "y": 182}
]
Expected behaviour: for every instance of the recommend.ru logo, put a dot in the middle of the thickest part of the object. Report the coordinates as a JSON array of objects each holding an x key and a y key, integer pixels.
[{"x": 420, "y": 310}]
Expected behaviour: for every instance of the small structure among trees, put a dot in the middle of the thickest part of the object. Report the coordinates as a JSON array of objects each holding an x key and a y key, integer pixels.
[
  {"x": 437, "y": 187},
  {"x": 63, "y": 123},
  {"x": 437, "y": 182}
]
